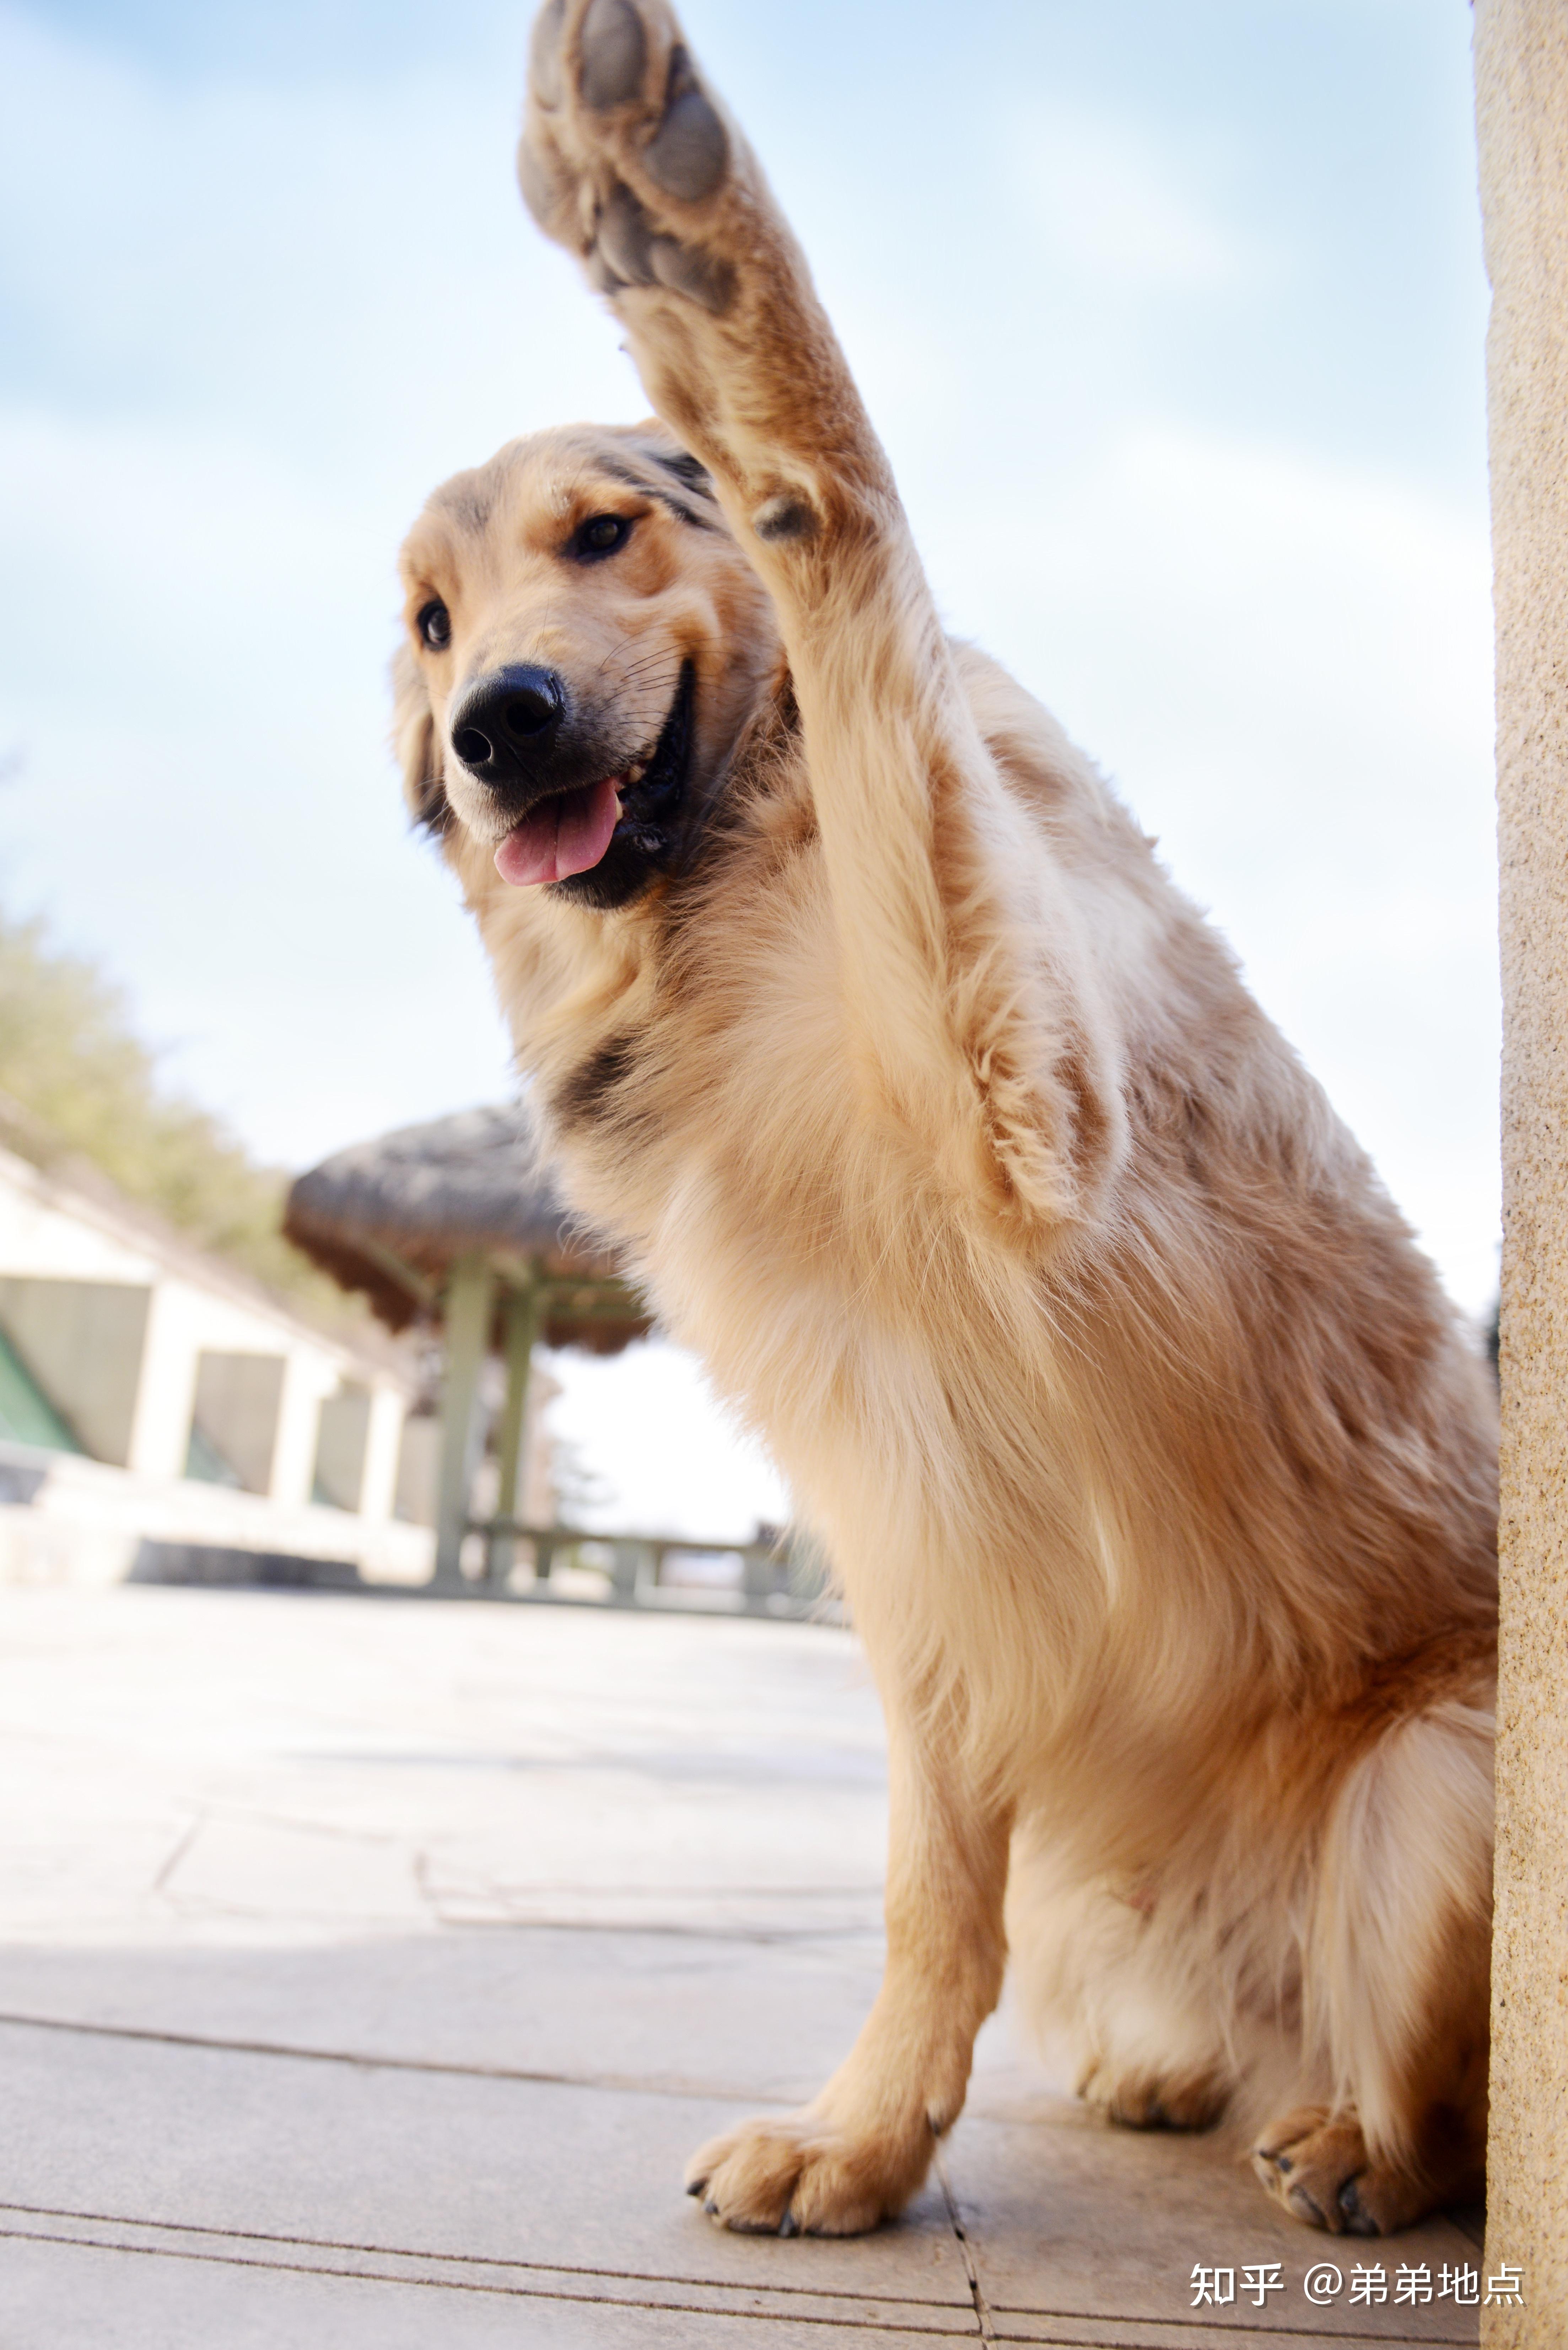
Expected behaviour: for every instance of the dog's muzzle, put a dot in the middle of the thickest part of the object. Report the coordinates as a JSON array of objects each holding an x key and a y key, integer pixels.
[{"x": 506, "y": 731}]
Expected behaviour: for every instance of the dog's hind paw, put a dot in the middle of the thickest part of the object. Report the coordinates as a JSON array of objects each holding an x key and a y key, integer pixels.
[
  {"x": 799, "y": 2175},
  {"x": 1137, "y": 2097},
  {"x": 1317, "y": 2165},
  {"x": 622, "y": 145}
]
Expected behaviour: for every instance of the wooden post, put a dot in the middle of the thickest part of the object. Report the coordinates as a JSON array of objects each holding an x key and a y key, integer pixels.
[
  {"x": 1522, "y": 111},
  {"x": 524, "y": 1314},
  {"x": 468, "y": 1301}
]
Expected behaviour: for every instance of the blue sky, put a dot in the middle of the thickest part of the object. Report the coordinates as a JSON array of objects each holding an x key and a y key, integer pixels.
[{"x": 1171, "y": 318}]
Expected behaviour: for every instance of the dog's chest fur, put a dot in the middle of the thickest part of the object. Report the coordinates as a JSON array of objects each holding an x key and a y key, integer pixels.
[{"x": 1038, "y": 1459}]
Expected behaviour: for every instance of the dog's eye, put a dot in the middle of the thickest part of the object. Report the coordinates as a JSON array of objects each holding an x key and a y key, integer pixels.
[
  {"x": 601, "y": 536},
  {"x": 434, "y": 625}
]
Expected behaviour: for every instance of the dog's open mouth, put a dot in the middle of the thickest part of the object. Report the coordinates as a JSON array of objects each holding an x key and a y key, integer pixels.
[{"x": 571, "y": 831}]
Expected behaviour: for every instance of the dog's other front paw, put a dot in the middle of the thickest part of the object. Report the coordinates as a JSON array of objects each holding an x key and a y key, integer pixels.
[
  {"x": 801, "y": 2175},
  {"x": 622, "y": 146}
]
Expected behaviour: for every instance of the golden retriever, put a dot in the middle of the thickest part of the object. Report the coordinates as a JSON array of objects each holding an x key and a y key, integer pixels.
[{"x": 1158, "y": 1473}]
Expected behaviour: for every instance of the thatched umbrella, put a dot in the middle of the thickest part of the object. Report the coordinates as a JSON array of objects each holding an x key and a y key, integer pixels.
[{"x": 456, "y": 1224}]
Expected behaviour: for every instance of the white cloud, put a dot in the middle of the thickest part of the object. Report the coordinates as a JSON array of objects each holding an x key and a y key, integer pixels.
[{"x": 1114, "y": 205}]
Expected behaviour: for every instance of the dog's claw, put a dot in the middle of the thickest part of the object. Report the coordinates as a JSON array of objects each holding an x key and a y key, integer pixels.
[
  {"x": 789, "y": 2225},
  {"x": 1358, "y": 2220}
]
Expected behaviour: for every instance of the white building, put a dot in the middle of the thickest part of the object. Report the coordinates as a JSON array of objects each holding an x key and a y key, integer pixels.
[{"x": 153, "y": 1398}]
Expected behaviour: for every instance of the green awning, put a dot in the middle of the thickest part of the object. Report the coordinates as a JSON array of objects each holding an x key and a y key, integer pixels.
[{"x": 27, "y": 1415}]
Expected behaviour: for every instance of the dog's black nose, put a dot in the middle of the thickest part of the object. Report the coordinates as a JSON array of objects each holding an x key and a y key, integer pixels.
[{"x": 505, "y": 727}]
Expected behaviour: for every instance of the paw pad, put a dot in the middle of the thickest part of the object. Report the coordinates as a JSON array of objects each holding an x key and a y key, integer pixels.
[
  {"x": 614, "y": 54},
  {"x": 625, "y": 236},
  {"x": 702, "y": 277},
  {"x": 544, "y": 55},
  {"x": 784, "y": 517},
  {"x": 687, "y": 154},
  {"x": 545, "y": 193},
  {"x": 630, "y": 252}
]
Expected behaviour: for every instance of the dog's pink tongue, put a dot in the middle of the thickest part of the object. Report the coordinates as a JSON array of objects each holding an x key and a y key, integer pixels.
[
  {"x": 587, "y": 819},
  {"x": 563, "y": 835}
]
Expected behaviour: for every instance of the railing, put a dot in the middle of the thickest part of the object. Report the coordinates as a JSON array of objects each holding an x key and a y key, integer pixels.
[{"x": 780, "y": 1577}]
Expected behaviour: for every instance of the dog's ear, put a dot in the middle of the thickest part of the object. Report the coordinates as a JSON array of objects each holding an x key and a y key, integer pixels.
[{"x": 414, "y": 741}]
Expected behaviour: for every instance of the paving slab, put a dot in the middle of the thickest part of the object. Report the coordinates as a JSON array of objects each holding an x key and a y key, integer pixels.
[
  {"x": 689, "y": 2013},
  {"x": 1068, "y": 2220},
  {"x": 368, "y": 1969},
  {"x": 190, "y": 2293},
  {"x": 212, "y": 1767},
  {"x": 402, "y": 2160}
]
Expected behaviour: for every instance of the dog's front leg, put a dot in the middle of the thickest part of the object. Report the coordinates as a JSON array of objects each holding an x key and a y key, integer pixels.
[
  {"x": 970, "y": 1019},
  {"x": 856, "y": 2155}
]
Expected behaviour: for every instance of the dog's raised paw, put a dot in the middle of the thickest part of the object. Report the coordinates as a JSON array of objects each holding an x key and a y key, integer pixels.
[{"x": 620, "y": 141}]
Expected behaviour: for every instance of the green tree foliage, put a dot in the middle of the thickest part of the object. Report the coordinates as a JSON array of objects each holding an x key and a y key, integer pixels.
[{"x": 70, "y": 1057}]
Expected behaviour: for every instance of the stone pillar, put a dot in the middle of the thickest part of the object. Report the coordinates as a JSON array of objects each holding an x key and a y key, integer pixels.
[
  {"x": 469, "y": 1294},
  {"x": 306, "y": 1383},
  {"x": 379, "y": 1489},
  {"x": 1522, "y": 109},
  {"x": 166, "y": 1386},
  {"x": 523, "y": 1319}
]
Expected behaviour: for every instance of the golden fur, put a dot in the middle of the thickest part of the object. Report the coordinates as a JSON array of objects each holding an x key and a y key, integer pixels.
[{"x": 1158, "y": 1473}]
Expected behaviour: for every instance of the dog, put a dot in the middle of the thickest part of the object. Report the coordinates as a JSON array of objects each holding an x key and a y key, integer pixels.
[{"x": 1158, "y": 1473}]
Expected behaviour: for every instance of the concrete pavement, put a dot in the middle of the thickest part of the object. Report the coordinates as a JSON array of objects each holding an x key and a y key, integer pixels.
[{"x": 369, "y": 1968}]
